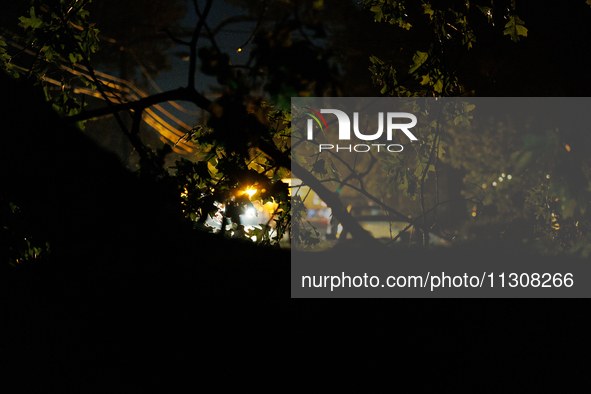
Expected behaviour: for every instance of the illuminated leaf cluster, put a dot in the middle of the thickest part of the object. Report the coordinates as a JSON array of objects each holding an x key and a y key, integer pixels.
[{"x": 61, "y": 36}]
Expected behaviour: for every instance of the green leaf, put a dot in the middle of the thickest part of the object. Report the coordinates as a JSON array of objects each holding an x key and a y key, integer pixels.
[
  {"x": 428, "y": 10},
  {"x": 418, "y": 60},
  {"x": 4, "y": 57},
  {"x": 438, "y": 86},
  {"x": 378, "y": 13},
  {"x": 463, "y": 118},
  {"x": 376, "y": 60},
  {"x": 487, "y": 11},
  {"x": 515, "y": 28},
  {"x": 419, "y": 171},
  {"x": 468, "y": 39},
  {"x": 319, "y": 167},
  {"x": 33, "y": 22},
  {"x": 73, "y": 57}
]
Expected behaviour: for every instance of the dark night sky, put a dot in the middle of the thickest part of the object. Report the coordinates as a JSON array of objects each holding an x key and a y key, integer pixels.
[{"x": 229, "y": 41}]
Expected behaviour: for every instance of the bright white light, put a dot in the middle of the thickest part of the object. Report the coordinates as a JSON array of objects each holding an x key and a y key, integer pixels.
[
  {"x": 509, "y": 176},
  {"x": 500, "y": 179},
  {"x": 503, "y": 175},
  {"x": 494, "y": 184},
  {"x": 250, "y": 192},
  {"x": 547, "y": 176},
  {"x": 250, "y": 212}
]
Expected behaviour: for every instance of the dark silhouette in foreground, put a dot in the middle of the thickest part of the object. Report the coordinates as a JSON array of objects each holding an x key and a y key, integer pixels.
[{"x": 127, "y": 283}]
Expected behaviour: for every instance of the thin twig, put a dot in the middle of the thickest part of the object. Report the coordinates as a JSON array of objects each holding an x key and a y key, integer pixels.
[
  {"x": 175, "y": 39},
  {"x": 194, "y": 40},
  {"x": 210, "y": 35},
  {"x": 422, "y": 186}
]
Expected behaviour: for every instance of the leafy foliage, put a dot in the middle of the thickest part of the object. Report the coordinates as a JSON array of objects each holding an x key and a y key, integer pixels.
[
  {"x": 452, "y": 29},
  {"x": 221, "y": 186},
  {"x": 556, "y": 212},
  {"x": 4, "y": 57},
  {"x": 228, "y": 176},
  {"x": 242, "y": 145},
  {"x": 61, "y": 36},
  {"x": 17, "y": 244},
  {"x": 389, "y": 11},
  {"x": 515, "y": 28}
]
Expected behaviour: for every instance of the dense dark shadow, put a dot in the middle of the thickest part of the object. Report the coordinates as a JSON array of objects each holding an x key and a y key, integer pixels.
[{"x": 127, "y": 282}]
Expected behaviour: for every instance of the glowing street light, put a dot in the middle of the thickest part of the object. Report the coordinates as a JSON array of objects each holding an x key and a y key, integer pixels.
[{"x": 250, "y": 191}]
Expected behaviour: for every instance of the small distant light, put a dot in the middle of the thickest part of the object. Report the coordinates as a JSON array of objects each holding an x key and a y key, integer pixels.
[
  {"x": 239, "y": 50},
  {"x": 547, "y": 176},
  {"x": 567, "y": 147},
  {"x": 473, "y": 214},
  {"x": 484, "y": 185},
  {"x": 503, "y": 175},
  {"x": 494, "y": 183},
  {"x": 509, "y": 176},
  {"x": 500, "y": 179}
]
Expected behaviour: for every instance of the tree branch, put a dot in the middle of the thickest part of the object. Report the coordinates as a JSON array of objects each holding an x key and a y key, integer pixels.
[
  {"x": 210, "y": 35},
  {"x": 175, "y": 39},
  {"x": 181, "y": 94},
  {"x": 377, "y": 201},
  {"x": 335, "y": 204},
  {"x": 424, "y": 227},
  {"x": 193, "y": 46},
  {"x": 191, "y": 95}
]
